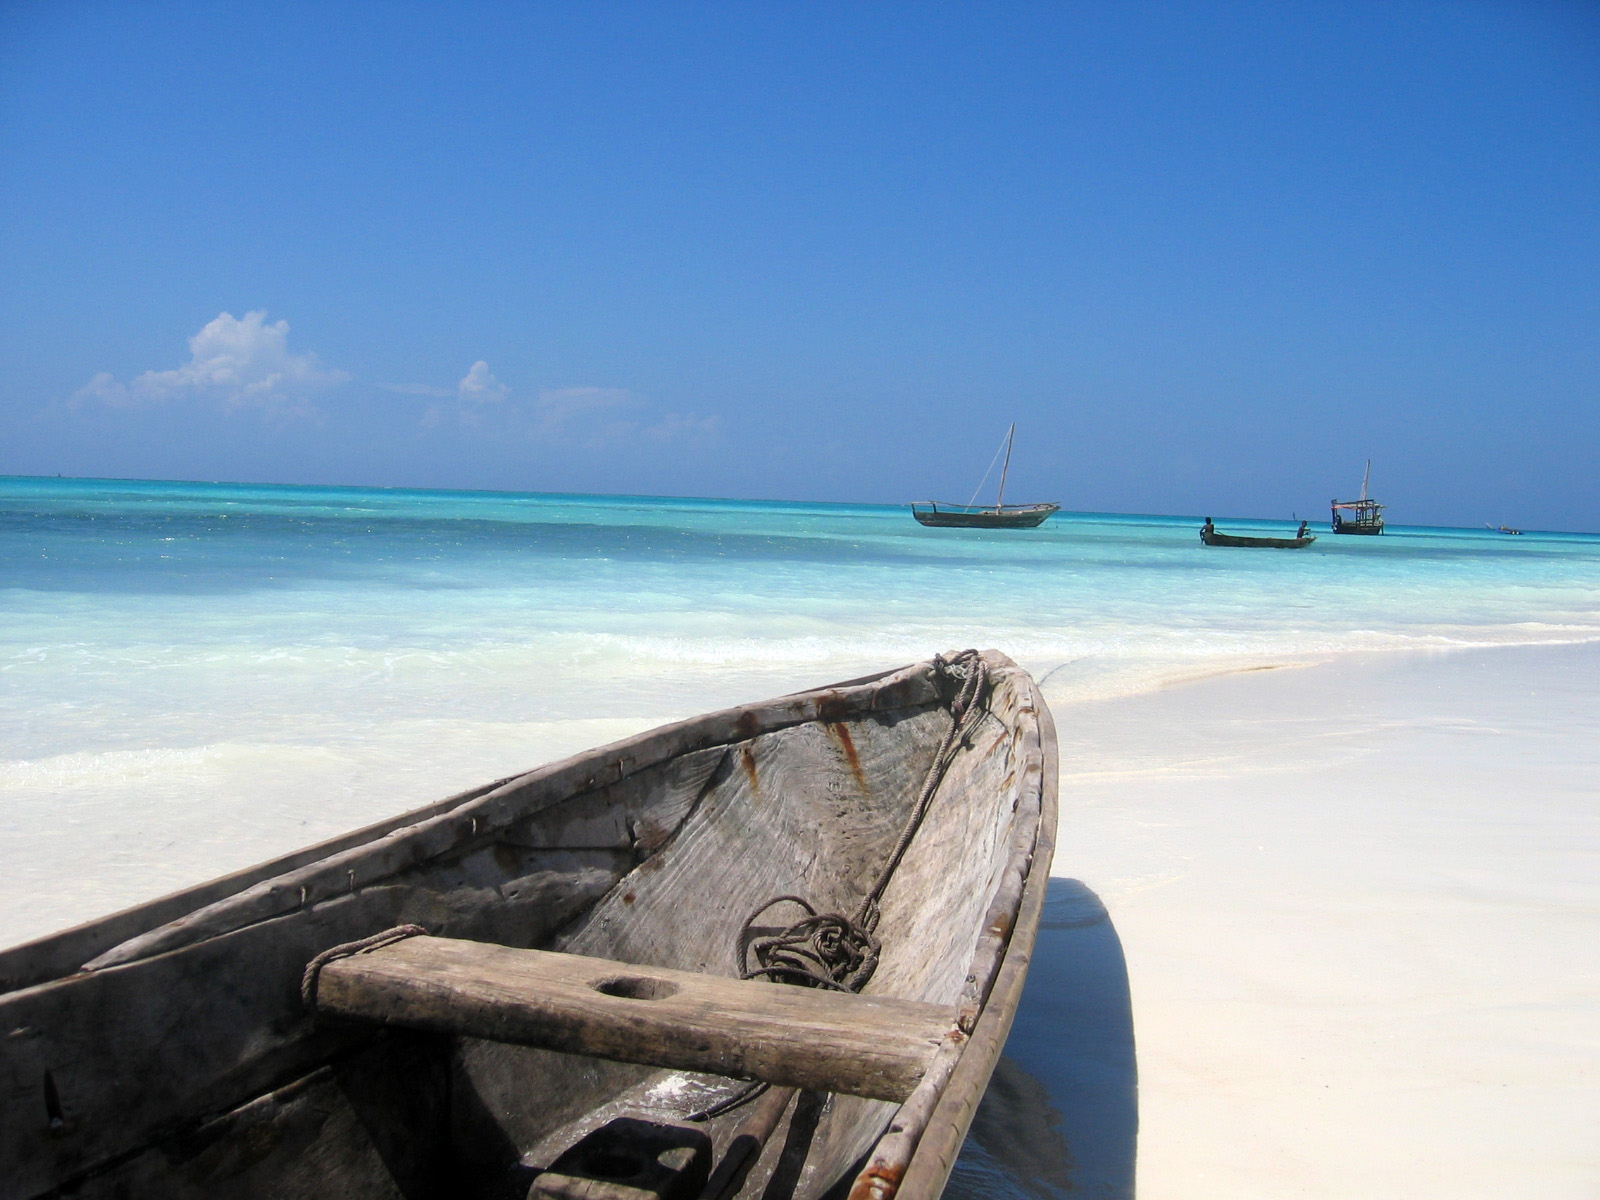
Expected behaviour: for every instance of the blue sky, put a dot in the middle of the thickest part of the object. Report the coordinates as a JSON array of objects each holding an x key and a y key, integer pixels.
[{"x": 1209, "y": 257}]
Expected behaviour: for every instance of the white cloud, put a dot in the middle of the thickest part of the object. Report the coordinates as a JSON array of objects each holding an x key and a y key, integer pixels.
[
  {"x": 232, "y": 362},
  {"x": 480, "y": 386},
  {"x": 592, "y": 418}
]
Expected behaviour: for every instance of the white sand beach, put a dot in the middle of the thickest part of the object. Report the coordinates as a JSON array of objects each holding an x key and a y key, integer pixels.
[
  {"x": 1353, "y": 945},
  {"x": 1359, "y": 906}
]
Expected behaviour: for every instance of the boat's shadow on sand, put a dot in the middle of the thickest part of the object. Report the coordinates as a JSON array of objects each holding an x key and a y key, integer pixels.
[{"x": 1061, "y": 1116}]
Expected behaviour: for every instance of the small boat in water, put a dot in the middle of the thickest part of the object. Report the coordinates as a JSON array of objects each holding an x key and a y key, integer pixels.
[
  {"x": 1210, "y": 537},
  {"x": 998, "y": 515},
  {"x": 1505, "y": 529},
  {"x": 963, "y": 516},
  {"x": 1359, "y": 516},
  {"x": 579, "y": 981}
]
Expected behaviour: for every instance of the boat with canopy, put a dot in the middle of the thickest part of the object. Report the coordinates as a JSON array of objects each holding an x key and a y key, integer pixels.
[{"x": 1359, "y": 516}]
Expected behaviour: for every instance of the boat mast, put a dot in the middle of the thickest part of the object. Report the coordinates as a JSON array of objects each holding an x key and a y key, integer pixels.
[
  {"x": 1000, "y": 500},
  {"x": 1365, "y": 478}
]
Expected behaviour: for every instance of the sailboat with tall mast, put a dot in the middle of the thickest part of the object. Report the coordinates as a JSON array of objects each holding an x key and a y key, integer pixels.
[
  {"x": 998, "y": 515},
  {"x": 1365, "y": 514}
]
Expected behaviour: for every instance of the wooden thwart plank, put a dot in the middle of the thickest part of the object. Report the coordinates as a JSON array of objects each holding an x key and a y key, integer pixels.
[{"x": 873, "y": 1046}]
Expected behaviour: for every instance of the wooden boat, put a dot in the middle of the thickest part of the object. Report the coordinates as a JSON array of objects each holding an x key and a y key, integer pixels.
[
  {"x": 1210, "y": 537},
  {"x": 1359, "y": 516},
  {"x": 965, "y": 516},
  {"x": 536, "y": 988},
  {"x": 998, "y": 515}
]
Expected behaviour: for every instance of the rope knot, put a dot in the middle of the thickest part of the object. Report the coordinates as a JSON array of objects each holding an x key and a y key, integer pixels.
[
  {"x": 962, "y": 677},
  {"x": 824, "y": 950}
]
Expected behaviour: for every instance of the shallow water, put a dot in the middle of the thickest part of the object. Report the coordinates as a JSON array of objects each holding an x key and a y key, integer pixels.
[{"x": 196, "y": 676}]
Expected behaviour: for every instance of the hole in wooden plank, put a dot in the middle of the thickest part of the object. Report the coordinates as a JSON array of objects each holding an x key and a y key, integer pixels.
[{"x": 634, "y": 987}]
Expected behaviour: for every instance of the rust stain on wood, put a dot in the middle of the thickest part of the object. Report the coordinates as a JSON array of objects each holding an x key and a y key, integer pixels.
[
  {"x": 747, "y": 759},
  {"x": 877, "y": 1182},
  {"x": 832, "y": 708},
  {"x": 840, "y": 733}
]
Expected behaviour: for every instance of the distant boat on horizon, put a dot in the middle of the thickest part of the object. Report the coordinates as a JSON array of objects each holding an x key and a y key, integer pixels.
[
  {"x": 1366, "y": 514},
  {"x": 998, "y": 515}
]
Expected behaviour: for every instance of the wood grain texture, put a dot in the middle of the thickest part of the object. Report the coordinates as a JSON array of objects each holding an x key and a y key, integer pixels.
[
  {"x": 981, "y": 831},
  {"x": 873, "y": 1046},
  {"x": 929, "y": 1167},
  {"x": 955, "y": 1082}
]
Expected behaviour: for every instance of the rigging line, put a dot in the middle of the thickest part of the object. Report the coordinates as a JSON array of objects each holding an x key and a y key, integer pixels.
[
  {"x": 989, "y": 472},
  {"x": 1000, "y": 500},
  {"x": 1063, "y": 666}
]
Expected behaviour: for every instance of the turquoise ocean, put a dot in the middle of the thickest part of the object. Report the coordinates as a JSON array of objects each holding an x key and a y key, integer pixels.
[{"x": 196, "y": 676}]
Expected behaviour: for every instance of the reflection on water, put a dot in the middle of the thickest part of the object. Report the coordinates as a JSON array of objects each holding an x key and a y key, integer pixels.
[{"x": 1061, "y": 1116}]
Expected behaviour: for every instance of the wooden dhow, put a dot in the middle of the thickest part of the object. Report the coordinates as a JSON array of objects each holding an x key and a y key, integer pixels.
[
  {"x": 1363, "y": 516},
  {"x": 580, "y": 981},
  {"x": 998, "y": 515}
]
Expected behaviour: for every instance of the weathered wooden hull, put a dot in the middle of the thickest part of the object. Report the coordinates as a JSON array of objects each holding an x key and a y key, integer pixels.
[
  {"x": 1020, "y": 516},
  {"x": 1212, "y": 538},
  {"x": 166, "y": 1051}
]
